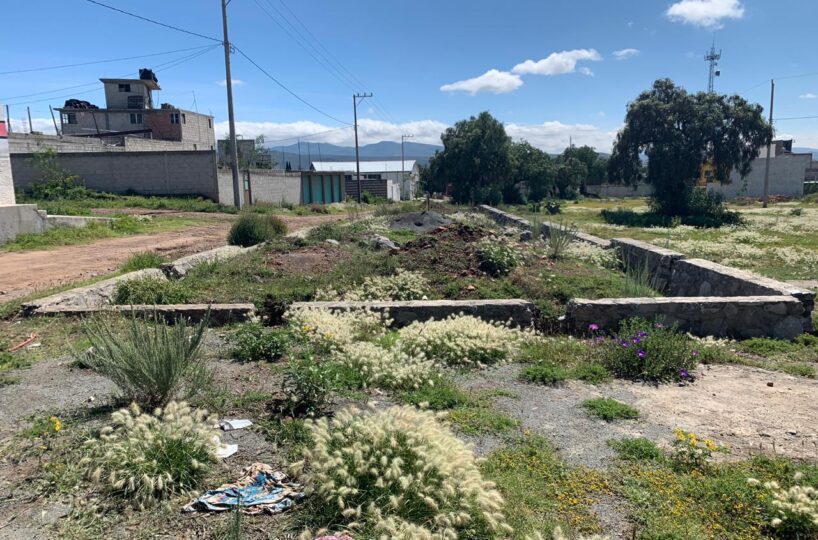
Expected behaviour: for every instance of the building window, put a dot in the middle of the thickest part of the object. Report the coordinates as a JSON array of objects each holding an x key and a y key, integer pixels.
[
  {"x": 136, "y": 118},
  {"x": 209, "y": 123},
  {"x": 136, "y": 102},
  {"x": 124, "y": 87},
  {"x": 184, "y": 120},
  {"x": 69, "y": 118},
  {"x": 174, "y": 118}
]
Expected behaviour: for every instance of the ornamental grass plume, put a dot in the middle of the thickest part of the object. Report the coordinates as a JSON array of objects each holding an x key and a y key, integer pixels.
[
  {"x": 398, "y": 473},
  {"x": 390, "y": 369},
  {"x": 148, "y": 457},
  {"x": 334, "y": 330},
  {"x": 462, "y": 340},
  {"x": 404, "y": 285},
  {"x": 794, "y": 510}
]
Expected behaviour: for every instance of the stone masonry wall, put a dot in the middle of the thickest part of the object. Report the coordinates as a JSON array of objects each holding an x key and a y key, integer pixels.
[
  {"x": 638, "y": 257},
  {"x": 738, "y": 317}
]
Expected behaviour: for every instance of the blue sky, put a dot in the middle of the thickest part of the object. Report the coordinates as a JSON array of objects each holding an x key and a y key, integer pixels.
[{"x": 429, "y": 63}]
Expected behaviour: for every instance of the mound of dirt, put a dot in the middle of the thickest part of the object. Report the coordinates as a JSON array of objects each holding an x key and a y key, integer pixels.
[
  {"x": 447, "y": 250},
  {"x": 419, "y": 222}
]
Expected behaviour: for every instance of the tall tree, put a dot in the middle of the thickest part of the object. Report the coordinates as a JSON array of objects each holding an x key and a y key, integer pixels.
[
  {"x": 533, "y": 168},
  {"x": 678, "y": 132},
  {"x": 474, "y": 160},
  {"x": 571, "y": 174}
]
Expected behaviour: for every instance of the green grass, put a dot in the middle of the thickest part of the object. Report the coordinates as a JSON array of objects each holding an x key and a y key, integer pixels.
[
  {"x": 151, "y": 291},
  {"x": 637, "y": 449},
  {"x": 542, "y": 491},
  {"x": 482, "y": 420},
  {"x": 123, "y": 226},
  {"x": 557, "y": 359},
  {"x": 83, "y": 207},
  {"x": 609, "y": 409},
  {"x": 143, "y": 260}
]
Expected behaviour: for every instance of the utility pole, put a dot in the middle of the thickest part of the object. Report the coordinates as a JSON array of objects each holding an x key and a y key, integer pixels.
[
  {"x": 233, "y": 146},
  {"x": 8, "y": 119},
  {"x": 766, "y": 197},
  {"x": 357, "y": 159},
  {"x": 299, "y": 154},
  {"x": 402, "y": 164},
  {"x": 30, "y": 127},
  {"x": 54, "y": 120},
  {"x": 713, "y": 58}
]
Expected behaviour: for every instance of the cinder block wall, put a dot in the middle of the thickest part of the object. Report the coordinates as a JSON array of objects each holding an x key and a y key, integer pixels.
[
  {"x": 146, "y": 173},
  {"x": 275, "y": 186}
]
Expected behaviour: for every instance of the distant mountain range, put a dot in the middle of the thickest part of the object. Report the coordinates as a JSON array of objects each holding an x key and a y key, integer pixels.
[{"x": 381, "y": 151}]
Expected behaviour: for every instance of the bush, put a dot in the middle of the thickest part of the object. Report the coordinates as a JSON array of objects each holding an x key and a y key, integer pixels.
[
  {"x": 253, "y": 343},
  {"x": 151, "y": 291},
  {"x": 307, "y": 386},
  {"x": 610, "y": 409},
  {"x": 649, "y": 352},
  {"x": 461, "y": 341},
  {"x": 319, "y": 209},
  {"x": 495, "y": 257},
  {"x": 560, "y": 237},
  {"x": 691, "y": 452},
  {"x": 637, "y": 449},
  {"x": 398, "y": 473},
  {"x": 389, "y": 369},
  {"x": 145, "y": 458},
  {"x": 630, "y": 218},
  {"x": 251, "y": 229},
  {"x": 332, "y": 330},
  {"x": 545, "y": 373},
  {"x": 404, "y": 285},
  {"x": 151, "y": 363},
  {"x": 143, "y": 260}
]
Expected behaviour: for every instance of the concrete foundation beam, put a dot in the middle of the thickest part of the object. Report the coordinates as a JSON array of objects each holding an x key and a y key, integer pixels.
[
  {"x": 517, "y": 312},
  {"x": 219, "y": 314},
  {"x": 180, "y": 267}
]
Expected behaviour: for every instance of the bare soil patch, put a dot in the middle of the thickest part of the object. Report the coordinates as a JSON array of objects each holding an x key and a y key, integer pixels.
[
  {"x": 24, "y": 272},
  {"x": 449, "y": 249},
  {"x": 306, "y": 261}
]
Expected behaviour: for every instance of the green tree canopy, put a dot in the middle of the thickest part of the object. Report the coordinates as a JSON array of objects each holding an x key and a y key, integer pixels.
[
  {"x": 678, "y": 131},
  {"x": 532, "y": 167},
  {"x": 474, "y": 161}
]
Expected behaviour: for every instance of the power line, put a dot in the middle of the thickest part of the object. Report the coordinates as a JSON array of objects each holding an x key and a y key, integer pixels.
[
  {"x": 47, "y": 68},
  {"x": 296, "y": 96},
  {"x": 307, "y": 135},
  {"x": 152, "y": 21},
  {"x": 795, "y": 118},
  {"x": 159, "y": 67}
]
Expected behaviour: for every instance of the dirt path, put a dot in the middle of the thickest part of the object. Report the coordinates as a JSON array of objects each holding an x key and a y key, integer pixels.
[{"x": 24, "y": 272}]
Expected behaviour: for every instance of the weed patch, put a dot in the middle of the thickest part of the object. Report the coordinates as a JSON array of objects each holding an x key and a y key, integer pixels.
[
  {"x": 152, "y": 291},
  {"x": 610, "y": 409}
]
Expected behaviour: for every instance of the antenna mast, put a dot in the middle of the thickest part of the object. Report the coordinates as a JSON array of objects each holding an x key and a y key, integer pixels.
[{"x": 712, "y": 57}]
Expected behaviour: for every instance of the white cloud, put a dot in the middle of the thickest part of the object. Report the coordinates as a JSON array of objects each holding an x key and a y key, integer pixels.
[
  {"x": 586, "y": 71},
  {"x": 630, "y": 24},
  {"x": 624, "y": 54},
  {"x": 557, "y": 63},
  {"x": 602, "y": 114},
  {"x": 43, "y": 125},
  {"x": 705, "y": 13},
  {"x": 549, "y": 136},
  {"x": 494, "y": 81},
  {"x": 236, "y": 82},
  {"x": 808, "y": 95}
]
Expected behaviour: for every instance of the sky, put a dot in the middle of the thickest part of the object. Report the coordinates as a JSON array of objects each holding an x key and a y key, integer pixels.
[{"x": 549, "y": 71}]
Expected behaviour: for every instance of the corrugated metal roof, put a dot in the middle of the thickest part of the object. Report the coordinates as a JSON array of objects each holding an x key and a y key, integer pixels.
[{"x": 366, "y": 166}]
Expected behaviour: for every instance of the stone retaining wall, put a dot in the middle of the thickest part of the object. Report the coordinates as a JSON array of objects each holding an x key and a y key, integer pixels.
[
  {"x": 219, "y": 314},
  {"x": 506, "y": 218},
  {"x": 658, "y": 263},
  {"x": 739, "y": 317},
  {"x": 518, "y": 312}
]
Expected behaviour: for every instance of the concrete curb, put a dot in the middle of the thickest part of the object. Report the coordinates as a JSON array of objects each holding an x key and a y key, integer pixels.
[{"x": 179, "y": 268}]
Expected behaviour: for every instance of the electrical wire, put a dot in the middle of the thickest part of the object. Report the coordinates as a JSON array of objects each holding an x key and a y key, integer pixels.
[
  {"x": 795, "y": 118},
  {"x": 282, "y": 85},
  {"x": 47, "y": 68},
  {"x": 152, "y": 21},
  {"x": 307, "y": 135}
]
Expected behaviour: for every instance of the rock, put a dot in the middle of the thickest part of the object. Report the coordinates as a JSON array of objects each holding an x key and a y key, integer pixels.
[
  {"x": 792, "y": 432},
  {"x": 382, "y": 242},
  {"x": 509, "y": 231},
  {"x": 525, "y": 236},
  {"x": 770, "y": 384},
  {"x": 332, "y": 242}
]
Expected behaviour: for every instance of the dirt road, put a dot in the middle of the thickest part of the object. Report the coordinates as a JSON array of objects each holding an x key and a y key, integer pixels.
[{"x": 24, "y": 272}]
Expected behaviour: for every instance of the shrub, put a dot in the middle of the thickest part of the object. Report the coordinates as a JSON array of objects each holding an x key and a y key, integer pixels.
[
  {"x": 649, "y": 352},
  {"x": 404, "y": 285},
  {"x": 319, "y": 209},
  {"x": 143, "y": 260},
  {"x": 332, "y": 330},
  {"x": 152, "y": 291},
  {"x": 390, "y": 369},
  {"x": 495, "y": 257},
  {"x": 610, "y": 409},
  {"x": 691, "y": 452},
  {"x": 444, "y": 395},
  {"x": 461, "y": 340},
  {"x": 545, "y": 372},
  {"x": 794, "y": 510},
  {"x": 398, "y": 473},
  {"x": 251, "y": 229},
  {"x": 308, "y": 386},
  {"x": 637, "y": 449},
  {"x": 145, "y": 458},
  {"x": 252, "y": 343},
  {"x": 553, "y": 207},
  {"x": 560, "y": 236},
  {"x": 767, "y": 346},
  {"x": 149, "y": 362}
]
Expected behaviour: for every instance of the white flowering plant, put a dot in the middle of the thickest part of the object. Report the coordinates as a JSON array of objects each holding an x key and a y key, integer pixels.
[
  {"x": 397, "y": 473},
  {"x": 148, "y": 457},
  {"x": 794, "y": 510},
  {"x": 391, "y": 369},
  {"x": 496, "y": 257},
  {"x": 403, "y": 285},
  {"x": 462, "y": 340},
  {"x": 333, "y": 330},
  {"x": 591, "y": 254}
]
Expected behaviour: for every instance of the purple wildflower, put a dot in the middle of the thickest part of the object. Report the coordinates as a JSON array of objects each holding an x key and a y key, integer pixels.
[
  {"x": 684, "y": 374},
  {"x": 659, "y": 325},
  {"x": 640, "y": 353},
  {"x": 624, "y": 343},
  {"x": 642, "y": 334},
  {"x": 695, "y": 353},
  {"x": 593, "y": 327},
  {"x": 636, "y": 340}
]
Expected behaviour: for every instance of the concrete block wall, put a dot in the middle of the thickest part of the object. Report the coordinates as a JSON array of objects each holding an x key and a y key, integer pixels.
[
  {"x": 146, "y": 173},
  {"x": 270, "y": 186},
  {"x": 617, "y": 191},
  {"x": 787, "y": 174},
  {"x": 17, "y": 219}
]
